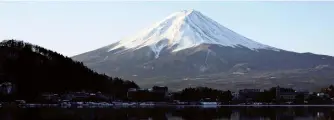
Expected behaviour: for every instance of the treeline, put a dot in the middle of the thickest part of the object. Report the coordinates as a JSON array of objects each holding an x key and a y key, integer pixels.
[
  {"x": 267, "y": 96},
  {"x": 34, "y": 70},
  {"x": 203, "y": 94},
  {"x": 329, "y": 90}
]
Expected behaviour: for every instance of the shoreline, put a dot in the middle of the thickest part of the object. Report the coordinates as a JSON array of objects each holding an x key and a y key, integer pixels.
[
  {"x": 153, "y": 105},
  {"x": 146, "y": 104}
]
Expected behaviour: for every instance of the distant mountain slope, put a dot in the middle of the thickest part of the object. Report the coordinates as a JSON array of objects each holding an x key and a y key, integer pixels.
[
  {"x": 34, "y": 70},
  {"x": 187, "y": 45}
]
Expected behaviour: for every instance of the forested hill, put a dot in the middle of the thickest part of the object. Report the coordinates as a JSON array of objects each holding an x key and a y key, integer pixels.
[{"x": 34, "y": 70}]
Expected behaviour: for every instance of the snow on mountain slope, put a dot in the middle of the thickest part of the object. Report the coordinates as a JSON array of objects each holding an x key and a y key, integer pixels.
[{"x": 186, "y": 29}]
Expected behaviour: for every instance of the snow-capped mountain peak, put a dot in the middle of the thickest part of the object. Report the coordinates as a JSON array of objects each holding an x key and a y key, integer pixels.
[
  {"x": 186, "y": 29},
  {"x": 189, "y": 45}
]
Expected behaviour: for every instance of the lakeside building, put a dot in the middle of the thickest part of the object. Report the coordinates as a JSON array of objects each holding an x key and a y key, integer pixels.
[{"x": 289, "y": 94}]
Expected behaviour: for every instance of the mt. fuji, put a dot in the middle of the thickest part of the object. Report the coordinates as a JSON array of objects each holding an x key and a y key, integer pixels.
[
  {"x": 186, "y": 29},
  {"x": 189, "y": 49}
]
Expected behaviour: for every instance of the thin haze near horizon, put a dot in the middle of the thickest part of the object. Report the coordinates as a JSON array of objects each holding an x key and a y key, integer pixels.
[{"x": 72, "y": 28}]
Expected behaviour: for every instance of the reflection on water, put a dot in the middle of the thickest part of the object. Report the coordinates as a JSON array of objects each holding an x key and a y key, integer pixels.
[{"x": 172, "y": 113}]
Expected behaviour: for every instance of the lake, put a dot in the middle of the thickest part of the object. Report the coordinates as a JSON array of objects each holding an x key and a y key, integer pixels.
[{"x": 170, "y": 113}]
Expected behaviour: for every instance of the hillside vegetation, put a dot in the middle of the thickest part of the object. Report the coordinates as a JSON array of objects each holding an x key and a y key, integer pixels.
[{"x": 34, "y": 70}]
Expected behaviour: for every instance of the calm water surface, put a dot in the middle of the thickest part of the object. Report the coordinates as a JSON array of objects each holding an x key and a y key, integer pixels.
[{"x": 170, "y": 113}]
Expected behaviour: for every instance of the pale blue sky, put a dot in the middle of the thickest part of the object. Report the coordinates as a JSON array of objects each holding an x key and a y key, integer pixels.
[{"x": 72, "y": 28}]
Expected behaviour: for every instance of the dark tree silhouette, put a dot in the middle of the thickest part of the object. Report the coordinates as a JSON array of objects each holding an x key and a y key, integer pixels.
[
  {"x": 203, "y": 93},
  {"x": 35, "y": 70},
  {"x": 329, "y": 91},
  {"x": 299, "y": 99}
]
